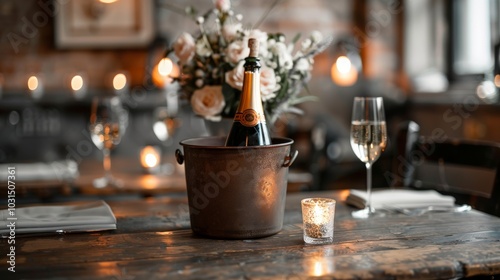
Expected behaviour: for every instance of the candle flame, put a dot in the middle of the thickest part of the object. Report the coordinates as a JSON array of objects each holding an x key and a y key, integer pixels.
[
  {"x": 318, "y": 215},
  {"x": 343, "y": 73},
  {"x": 151, "y": 160},
  {"x": 149, "y": 157},
  {"x": 76, "y": 82},
  {"x": 165, "y": 67},
  {"x": 33, "y": 83},
  {"x": 119, "y": 81},
  {"x": 343, "y": 64}
]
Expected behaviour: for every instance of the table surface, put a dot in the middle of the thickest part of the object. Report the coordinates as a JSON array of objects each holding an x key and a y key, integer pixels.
[{"x": 154, "y": 241}]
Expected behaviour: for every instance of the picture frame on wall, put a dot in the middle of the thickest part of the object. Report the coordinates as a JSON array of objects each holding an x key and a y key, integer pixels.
[{"x": 101, "y": 24}]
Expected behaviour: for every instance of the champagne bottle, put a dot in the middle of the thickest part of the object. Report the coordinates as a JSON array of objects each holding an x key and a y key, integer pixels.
[{"x": 249, "y": 125}]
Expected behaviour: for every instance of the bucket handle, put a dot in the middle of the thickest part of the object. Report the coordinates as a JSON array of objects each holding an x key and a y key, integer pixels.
[
  {"x": 290, "y": 158},
  {"x": 179, "y": 156}
]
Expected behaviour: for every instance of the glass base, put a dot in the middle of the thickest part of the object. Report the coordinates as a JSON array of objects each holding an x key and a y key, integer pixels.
[
  {"x": 323, "y": 240},
  {"x": 367, "y": 213},
  {"x": 105, "y": 182}
]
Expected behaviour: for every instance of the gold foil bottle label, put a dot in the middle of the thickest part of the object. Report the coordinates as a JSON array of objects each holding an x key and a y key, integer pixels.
[{"x": 249, "y": 118}]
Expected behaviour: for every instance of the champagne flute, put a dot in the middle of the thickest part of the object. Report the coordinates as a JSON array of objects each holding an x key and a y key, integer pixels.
[
  {"x": 368, "y": 140},
  {"x": 106, "y": 128}
]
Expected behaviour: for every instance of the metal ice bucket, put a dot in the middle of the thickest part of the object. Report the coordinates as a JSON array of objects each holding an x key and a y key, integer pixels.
[{"x": 236, "y": 192}]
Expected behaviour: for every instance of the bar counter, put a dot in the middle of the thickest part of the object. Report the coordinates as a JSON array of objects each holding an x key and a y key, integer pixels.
[{"x": 153, "y": 240}]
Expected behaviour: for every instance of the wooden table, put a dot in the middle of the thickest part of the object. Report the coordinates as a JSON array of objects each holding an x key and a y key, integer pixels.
[{"x": 153, "y": 241}]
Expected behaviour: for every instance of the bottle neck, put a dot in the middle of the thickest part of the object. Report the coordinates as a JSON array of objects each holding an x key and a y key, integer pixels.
[
  {"x": 250, "y": 110},
  {"x": 252, "y": 64}
]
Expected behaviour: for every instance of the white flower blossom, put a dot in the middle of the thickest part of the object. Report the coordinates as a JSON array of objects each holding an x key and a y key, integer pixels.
[
  {"x": 208, "y": 101},
  {"x": 236, "y": 51},
  {"x": 285, "y": 60},
  {"x": 199, "y": 73},
  {"x": 302, "y": 65},
  {"x": 234, "y": 78},
  {"x": 184, "y": 47},
  {"x": 268, "y": 84},
  {"x": 230, "y": 31},
  {"x": 222, "y": 5},
  {"x": 316, "y": 36},
  {"x": 306, "y": 44},
  {"x": 202, "y": 49}
]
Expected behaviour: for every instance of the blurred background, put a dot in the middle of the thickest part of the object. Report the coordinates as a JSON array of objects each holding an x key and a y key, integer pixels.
[{"x": 434, "y": 61}]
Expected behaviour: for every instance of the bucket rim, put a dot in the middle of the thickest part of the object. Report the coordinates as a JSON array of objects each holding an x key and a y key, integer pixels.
[{"x": 195, "y": 143}]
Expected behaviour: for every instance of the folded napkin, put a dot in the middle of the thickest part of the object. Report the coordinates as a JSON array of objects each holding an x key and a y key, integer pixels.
[
  {"x": 91, "y": 216},
  {"x": 387, "y": 199},
  {"x": 63, "y": 170}
]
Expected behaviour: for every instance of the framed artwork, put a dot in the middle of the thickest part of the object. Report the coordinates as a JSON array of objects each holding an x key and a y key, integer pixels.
[{"x": 103, "y": 23}]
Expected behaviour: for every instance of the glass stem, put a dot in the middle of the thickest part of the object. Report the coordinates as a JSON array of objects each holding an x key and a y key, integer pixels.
[
  {"x": 369, "y": 187},
  {"x": 106, "y": 162}
]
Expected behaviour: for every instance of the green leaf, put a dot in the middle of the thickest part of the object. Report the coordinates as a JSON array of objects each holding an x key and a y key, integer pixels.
[{"x": 296, "y": 38}]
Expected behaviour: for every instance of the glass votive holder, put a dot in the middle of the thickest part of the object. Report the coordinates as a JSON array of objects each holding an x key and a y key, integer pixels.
[{"x": 318, "y": 218}]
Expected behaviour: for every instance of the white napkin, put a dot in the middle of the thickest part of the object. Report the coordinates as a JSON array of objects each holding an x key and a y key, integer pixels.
[
  {"x": 91, "y": 216},
  {"x": 401, "y": 199},
  {"x": 36, "y": 171}
]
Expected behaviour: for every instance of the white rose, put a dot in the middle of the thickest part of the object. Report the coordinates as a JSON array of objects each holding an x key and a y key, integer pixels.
[
  {"x": 208, "y": 101},
  {"x": 184, "y": 47},
  {"x": 230, "y": 31},
  {"x": 222, "y": 5},
  {"x": 236, "y": 51},
  {"x": 267, "y": 83},
  {"x": 234, "y": 78}
]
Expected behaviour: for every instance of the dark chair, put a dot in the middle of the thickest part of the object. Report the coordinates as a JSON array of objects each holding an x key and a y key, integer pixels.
[
  {"x": 468, "y": 170},
  {"x": 405, "y": 140}
]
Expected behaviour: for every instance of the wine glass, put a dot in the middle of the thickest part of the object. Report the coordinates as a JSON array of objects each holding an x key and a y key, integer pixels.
[
  {"x": 368, "y": 140},
  {"x": 108, "y": 120}
]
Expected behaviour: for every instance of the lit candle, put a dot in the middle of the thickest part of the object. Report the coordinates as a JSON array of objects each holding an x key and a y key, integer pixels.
[
  {"x": 35, "y": 86},
  {"x": 164, "y": 72},
  {"x": 163, "y": 76},
  {"x": 165, "y": 68},
  {"x": 318, "y": 217},
  {"x": 150, "y": 159},
  {"x": 343, "y": 73},
  {"x": 120, "y": 83},
  {"x": 78, "y": 86}
]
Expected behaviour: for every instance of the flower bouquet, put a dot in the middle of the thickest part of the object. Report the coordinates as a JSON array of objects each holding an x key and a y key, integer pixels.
[{"x": 211, "y": 65}]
